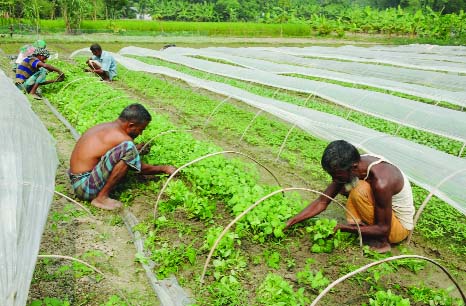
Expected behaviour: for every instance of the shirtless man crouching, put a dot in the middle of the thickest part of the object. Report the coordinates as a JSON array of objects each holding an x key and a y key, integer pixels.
[{"x": 105, "y": 152}]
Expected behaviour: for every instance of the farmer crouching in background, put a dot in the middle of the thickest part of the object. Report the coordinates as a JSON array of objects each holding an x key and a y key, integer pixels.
[
  {"x": 379, "y": 196},
  {"x": 101, "y": 63},
  {"x": 32, "y": 72}
]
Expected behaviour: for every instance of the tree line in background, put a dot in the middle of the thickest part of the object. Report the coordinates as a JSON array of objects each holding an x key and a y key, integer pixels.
[
  {"x": 441, "y": 19},
  {"x": 271, "y": 11}
]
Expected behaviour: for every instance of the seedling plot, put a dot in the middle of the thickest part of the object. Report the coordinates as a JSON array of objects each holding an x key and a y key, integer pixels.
[
  {"x": 421, "y": 200},
  {"x": 224, "y": 122},
  {"x": 374, "y": 137},
  {"x": 201, "y": 202}
]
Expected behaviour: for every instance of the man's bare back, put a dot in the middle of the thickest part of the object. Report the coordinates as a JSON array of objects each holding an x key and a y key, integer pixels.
[
  {"x": 116, "y": 139},
  {"x": 94, "y": 143}
]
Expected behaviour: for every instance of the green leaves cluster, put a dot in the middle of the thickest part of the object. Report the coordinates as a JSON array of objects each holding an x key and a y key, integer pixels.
[
  {"x": 312, "y": 279},
  {"x": 387, "y": 298},
  {"x": 323, "y": 237},
  {"x": 275, "y": 290}
]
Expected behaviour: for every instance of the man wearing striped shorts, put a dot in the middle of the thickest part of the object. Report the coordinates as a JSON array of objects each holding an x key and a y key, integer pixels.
[{"x": 104, "y": 154}]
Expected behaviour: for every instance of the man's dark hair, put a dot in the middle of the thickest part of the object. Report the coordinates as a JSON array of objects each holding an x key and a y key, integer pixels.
[
  {"x": 339, "y": 155},
  {"x": 135, "y": 113},
  {"x": 96, "y": 47}
]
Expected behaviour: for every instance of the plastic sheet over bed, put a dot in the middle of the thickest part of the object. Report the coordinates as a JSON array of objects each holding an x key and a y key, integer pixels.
[
  {"x": 421, "y": 116},
  {"x": 27, "y": 179}
]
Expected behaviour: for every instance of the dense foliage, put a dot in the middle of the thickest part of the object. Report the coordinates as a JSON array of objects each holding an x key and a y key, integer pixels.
[
  {"x": 424, "y": 18},
  {"x": 218, "y": 10}
]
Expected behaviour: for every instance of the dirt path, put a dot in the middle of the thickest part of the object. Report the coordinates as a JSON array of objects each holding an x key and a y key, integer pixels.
[{"x": 101, "y": 240}]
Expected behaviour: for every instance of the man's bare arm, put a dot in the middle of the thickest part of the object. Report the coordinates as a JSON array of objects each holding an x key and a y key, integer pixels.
[
  {"x": 49, "y": 67},
  {"x": 317, "y": 206},
  {"x": 150, "y": 169}
]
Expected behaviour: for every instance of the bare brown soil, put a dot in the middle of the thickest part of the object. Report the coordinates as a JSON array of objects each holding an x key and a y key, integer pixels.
[{"x": 101, "y": 240}]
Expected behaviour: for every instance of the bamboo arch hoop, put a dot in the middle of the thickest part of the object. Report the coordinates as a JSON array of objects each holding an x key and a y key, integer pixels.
[
  {"x": 306, "y": 102},
  {"x": 462, "y": 149},
  {"x": 402, "y": 124},
  {"x": 250, "y": 124},
  {"x": 255, "y": 117},
  {"x": 215, "y": 109},
  {"x": 260, "y": 201},
  {"x": 87, "y": 265},
  {"x": 336, "y": 282},
  {"x": 75, "y": 202},
  {"x": 161, "y": 134},
  {"x": 155, "y": 109},
  {"x": 107, "y": 101},
  {"x": 73, "y": 81},
  {"x": 202, "y": 158},
  {"x": 427, "y": 199},
  {"x": 80, "y": 107},
  {"x": 284, "y": 142},
  {"x": 60, "y": 194}
]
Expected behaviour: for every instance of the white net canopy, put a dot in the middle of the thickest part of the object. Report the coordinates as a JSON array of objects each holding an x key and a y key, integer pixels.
[
  {"x": 424, "y": 49},
  {"x": 442, "y": 174},
  {"x": 27, "y": 180},
  {"x": 418, "y": 115},
  {"x": 436, "y": 62},
  {"x": 435, "y": 94},
  {"x": 435, "y": 79}
]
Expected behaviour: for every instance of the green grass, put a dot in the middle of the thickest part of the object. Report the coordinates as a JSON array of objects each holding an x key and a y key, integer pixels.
[{"x": 172, "y": 28}]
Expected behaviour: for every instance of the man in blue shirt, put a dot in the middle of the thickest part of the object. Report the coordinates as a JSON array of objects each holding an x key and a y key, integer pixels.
[
  {"x": 32, "y": 72},
  {"x": 102, "y": 63}
]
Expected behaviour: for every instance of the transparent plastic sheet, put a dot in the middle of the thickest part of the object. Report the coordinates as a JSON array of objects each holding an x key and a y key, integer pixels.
[
  {"x": 398, "y": 54},
  {"x": 27, "y": 179},
  {"x": 436, "y": 94},
  {"x": 426, "y": 167},
  {"x": 456, "y": 64},
  {"x": 424, "y": 49},
  {"x": 422, "y": 116},
  {"x": 439, "y": 80}
]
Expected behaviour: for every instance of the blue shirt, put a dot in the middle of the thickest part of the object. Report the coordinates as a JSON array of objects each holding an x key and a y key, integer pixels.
[
  {"x": 108, "y": 63},
  {"x": 27, "y": 68}
]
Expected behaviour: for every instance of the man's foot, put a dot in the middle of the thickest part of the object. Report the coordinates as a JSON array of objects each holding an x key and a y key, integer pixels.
[
  {"x": 379, "y": 246},
  {"x": 36, "y": 96},
  {"x": 107, "y": 203}
]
